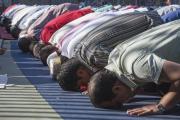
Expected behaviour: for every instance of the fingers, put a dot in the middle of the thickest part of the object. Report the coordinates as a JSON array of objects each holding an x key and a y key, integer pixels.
[
  {"x": 139, "y": 111},
  {"x": 145, "y": 112},
  {"x": 148, "y": 109},
  {"x": 135, "y": 111}
]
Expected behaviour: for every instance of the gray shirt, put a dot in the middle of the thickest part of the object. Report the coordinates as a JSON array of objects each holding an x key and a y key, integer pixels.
[{"x": 140, "y": 59}]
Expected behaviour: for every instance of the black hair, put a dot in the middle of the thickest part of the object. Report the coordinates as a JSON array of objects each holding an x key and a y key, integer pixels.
[
  {"x": 15, "y": 31},
  {"x": 6, "y": 23},
  {"x": 23, "y": 44},
  {"x": 45, "y": 52},
  {"x": 31, "y": 46},
  {"x": 63, "y": 58},
  {"x": 67, "y": 77},
  {"x": 36, "y": 49},
  {"x": 1, "y": 20},
  {"x": 56, "y": 70},
  {"x": 100, "y": 86}
]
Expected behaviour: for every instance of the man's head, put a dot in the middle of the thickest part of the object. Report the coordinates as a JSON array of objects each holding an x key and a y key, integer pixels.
[
  {"x": 107, "y": 91},
  {"x": 31, "y": 46},
  {"x": 45, "y": 52},
  {"x": 6, "y": 22},
  {"x": 73, "y": 75},
  {"x": 36, "y": 49},
  {"x": 24, "y": 43},
  {"x": 54, "y": 62},
  {"x": 15, "y": 31}
]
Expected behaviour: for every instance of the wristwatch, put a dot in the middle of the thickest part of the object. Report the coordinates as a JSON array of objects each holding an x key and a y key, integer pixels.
[{"x": 161, "y": 109}]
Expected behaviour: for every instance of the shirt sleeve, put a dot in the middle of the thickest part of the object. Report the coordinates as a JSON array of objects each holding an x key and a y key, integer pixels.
[
  {"x": 147, "y": 68},
  {"x": 94, "y": 54}
]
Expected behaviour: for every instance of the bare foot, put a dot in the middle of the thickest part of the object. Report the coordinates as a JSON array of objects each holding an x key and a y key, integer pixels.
[{"x": 2, "y": 51}]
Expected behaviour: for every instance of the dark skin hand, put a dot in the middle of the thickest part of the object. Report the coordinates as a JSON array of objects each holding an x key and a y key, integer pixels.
[
  {"x": 170, "y": 73},
  {"x": 2, "y": 51}
]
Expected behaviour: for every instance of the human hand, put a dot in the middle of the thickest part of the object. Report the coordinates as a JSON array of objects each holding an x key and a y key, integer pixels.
[
  {"x": 2, "y": 51},
  {"x": 84, "y": 93},
  {"x": 145, "y": 110}
]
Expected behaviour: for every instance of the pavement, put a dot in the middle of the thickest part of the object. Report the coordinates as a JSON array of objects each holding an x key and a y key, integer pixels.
[{"x": 20, "y": 100}]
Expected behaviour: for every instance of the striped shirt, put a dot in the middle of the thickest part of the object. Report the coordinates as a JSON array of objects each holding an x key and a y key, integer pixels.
[
  {"x": 95, "y": 50},
  {"x": 35, "y": 29}
]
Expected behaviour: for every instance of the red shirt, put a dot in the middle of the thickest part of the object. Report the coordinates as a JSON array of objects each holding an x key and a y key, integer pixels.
[{"x": 58, "y": 22}]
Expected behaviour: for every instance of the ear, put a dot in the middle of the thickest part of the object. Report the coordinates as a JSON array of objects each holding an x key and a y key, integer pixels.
[
  {"x": 83, "y": 71},
  {"x": 80, "y": 71},
  {"x": 116, "y": 89}
]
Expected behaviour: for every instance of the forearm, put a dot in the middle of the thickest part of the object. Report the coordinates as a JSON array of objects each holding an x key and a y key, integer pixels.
[
  {"x": 170, "y": 74},
  {"x": 170, "y": 99}
]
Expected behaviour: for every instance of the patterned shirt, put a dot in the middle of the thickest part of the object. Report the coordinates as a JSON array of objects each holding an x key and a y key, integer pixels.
[
  {"x": 95, "y": 49},
  {"x": 35, "y": 29}
]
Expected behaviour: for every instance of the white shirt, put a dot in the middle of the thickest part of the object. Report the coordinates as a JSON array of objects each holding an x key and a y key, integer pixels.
[
  {"x": 21, "y": 14},
  {"x": 30, "y": 18},
  {"x": 9, "y": 14}
]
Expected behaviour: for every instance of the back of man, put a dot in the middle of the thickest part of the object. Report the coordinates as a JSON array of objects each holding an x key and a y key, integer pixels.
[
  {"x": 100, "y": 42},
  {"x": 31, "y": 16},
  {"x": 20, "y": 15},
  {"x": 81, "y": 33},
  {"x": 35, "y": 29},
  {"x": 15, "y": 27},
  {"x": 67, "y": 38},
  {"x": 8, "y": 16},
  {"x": 61, "y": 33},
  {"x": 58, "y": 22},
  {"x": 10, "y": 12},
  {"x": 141, "y": 57}
]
